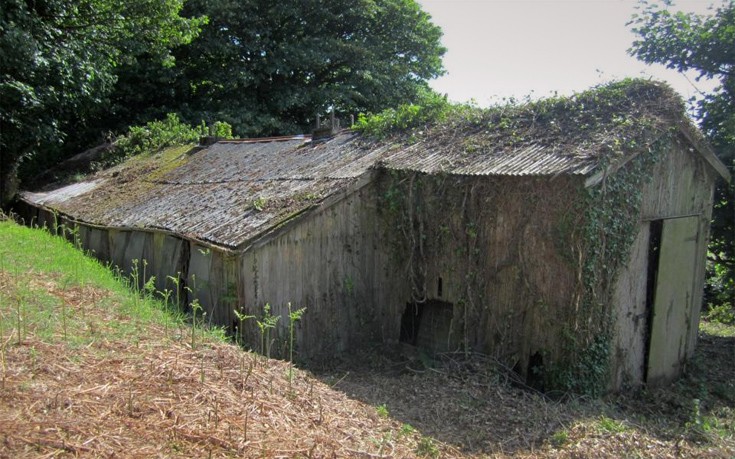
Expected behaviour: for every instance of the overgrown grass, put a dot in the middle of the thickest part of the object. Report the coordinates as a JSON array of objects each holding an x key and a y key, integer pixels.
[
  {"x": 156, "y": 135},
  {"x": 717, "y": 329},
  {"x": 42, "y": 275}
]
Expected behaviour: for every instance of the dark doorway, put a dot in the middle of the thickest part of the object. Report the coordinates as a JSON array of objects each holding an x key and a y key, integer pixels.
[
  {"x": 428, "y": 325},
  {"x": 410, "y": 323},
  {"x": 654, "y": 253},
  {"x": 535, "y": 372}
]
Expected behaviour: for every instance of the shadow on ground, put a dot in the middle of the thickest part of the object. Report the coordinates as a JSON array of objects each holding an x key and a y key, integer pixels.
[
  {"x": 473, "y": 406},
  {"x": 468, "y": 404}
]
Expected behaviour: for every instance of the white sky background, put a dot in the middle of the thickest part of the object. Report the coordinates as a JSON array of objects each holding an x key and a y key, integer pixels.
[{"x": 513, "y": 48}]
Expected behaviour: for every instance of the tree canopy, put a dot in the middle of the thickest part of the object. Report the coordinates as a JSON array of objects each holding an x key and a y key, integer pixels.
[
  {"x": 269, "y": 67},
  {"x": 704, "y": 44},
  {"x": 72, "y": 71},
  {"x": 57, "y": 63}
]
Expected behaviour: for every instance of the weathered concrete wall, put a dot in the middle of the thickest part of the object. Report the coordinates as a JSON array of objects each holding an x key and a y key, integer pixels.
[
  {"x": 212, "y": 277},
  {"x": 128, "y": 250},
  {"x": 96, "y": 241},
  {"x": 169, "y": 256},
  {"x": 36, "y": 216},
  {"x": 631, "y": 317},
  {"x": 501, "y": 248}
]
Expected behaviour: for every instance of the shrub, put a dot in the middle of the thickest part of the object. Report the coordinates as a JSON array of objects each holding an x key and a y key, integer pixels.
[
  {"x": 157, "y": 135},
  {"x": 431, "y": 107}
]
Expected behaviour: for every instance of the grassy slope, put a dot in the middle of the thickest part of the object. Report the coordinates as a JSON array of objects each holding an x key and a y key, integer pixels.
[{"x": 89, "y": 369}]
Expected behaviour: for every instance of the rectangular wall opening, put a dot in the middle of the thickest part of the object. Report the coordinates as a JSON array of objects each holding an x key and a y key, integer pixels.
[
  {"x": 428, "y": 325},
  {"x": 654, "y": 253}
]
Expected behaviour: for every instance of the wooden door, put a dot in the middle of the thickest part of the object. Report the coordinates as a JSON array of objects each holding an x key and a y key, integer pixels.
[{"x": 672, "y": 301}]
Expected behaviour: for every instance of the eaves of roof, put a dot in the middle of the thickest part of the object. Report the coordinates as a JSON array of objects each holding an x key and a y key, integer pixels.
[{"x": 224, "y": 195}]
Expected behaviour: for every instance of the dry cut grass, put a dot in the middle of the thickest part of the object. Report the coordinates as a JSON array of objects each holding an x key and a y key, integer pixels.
[
  {"x": 155, "y": 396},
  {"x": 91, "y": 371}
]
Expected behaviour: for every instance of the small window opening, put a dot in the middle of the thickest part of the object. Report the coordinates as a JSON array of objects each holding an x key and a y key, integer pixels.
[
  {"x": 439, "y": 287},
  {"x": 428, "y": 326}
]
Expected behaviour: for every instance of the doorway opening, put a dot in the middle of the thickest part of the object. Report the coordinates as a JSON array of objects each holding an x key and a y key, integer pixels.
[
  {"x": 428, "y": 325},
  {"x": 654, "y": 254}
]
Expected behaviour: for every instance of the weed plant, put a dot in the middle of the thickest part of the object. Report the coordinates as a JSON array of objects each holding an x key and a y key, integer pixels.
[
  {"x": 241, "y": 318},
  {"x": 293, "y": 317},
  {"x": 265, "y": 326},
  {"x": 196, "y": 308}
]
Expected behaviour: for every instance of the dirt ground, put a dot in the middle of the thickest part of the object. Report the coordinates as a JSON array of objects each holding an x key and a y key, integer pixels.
[
  {"x": 97, "y": 392},
  {"x": 478, "y": 409}
]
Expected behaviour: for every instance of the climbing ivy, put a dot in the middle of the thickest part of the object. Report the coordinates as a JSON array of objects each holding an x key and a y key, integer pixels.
[
  {"x": 621, "y": 123},
  {"x": 612, "y": 215}
]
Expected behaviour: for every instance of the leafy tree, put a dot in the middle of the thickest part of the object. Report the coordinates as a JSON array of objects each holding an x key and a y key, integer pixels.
[
  {"x": 705, "y": 44},
  {"x": 57, "y": 62},
  {"x": 268, "y": 67}
]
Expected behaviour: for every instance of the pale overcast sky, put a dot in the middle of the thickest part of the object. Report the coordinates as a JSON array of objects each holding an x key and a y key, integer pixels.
[{"x": 513, "y": 48}]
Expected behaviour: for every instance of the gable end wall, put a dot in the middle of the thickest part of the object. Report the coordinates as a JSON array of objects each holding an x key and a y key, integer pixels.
[{"x": 682, "y": 185}]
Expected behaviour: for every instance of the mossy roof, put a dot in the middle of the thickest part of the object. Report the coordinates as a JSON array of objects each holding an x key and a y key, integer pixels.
[{"x": 233, "y": 191}]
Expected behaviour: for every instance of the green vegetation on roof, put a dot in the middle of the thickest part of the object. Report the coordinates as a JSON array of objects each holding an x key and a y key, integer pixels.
[
  {"x": 156, "y": 135},
  {"x": 612, "y": 116}
]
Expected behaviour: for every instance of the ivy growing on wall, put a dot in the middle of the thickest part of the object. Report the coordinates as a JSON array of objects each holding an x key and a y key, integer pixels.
[
  {"x": 625, "y": 123},
  {"x": 612, "y": 216}
]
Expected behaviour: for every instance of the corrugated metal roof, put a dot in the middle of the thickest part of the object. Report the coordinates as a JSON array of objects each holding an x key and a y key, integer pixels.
[
  {"x": 225, "y": 194},
  {"x": 62, "y": 194},
  {"x": 531, "y": 160},
  {"x": 221, "y": 213},
  {"x": 274, "y": 160},
  {"x": 232, "y": 191}
]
